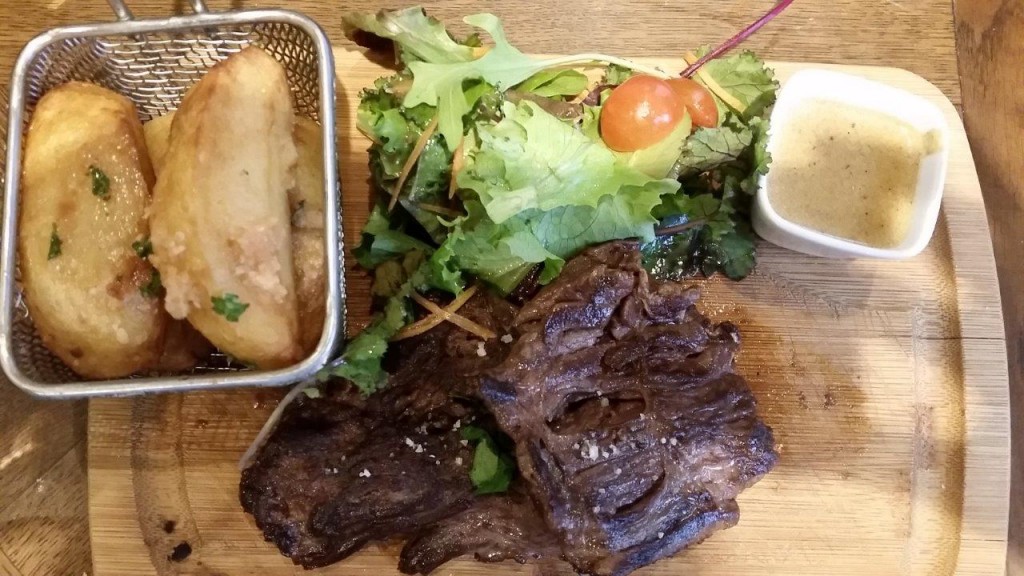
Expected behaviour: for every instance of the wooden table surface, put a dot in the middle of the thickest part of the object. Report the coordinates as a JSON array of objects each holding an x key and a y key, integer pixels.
[{"x": 971, "y": 50}]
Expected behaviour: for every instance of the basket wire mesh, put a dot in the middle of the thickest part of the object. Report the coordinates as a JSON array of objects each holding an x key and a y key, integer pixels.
[{"x": 154, "y": 63}]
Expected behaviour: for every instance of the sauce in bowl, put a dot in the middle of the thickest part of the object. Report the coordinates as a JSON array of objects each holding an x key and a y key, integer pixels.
[{"x": 848, "y": 171}]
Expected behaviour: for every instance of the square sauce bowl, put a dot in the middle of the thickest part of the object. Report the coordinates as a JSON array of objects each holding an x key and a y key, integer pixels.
[{"x": 850, "y": 95}]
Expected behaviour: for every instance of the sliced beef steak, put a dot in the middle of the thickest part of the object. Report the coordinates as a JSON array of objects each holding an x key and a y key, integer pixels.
[
  {"x": 341, "y": 470},
  {"x": 495, "y": 528},
  {"x": 632, "y": 431},
  {"x": 633, "y": 434}
]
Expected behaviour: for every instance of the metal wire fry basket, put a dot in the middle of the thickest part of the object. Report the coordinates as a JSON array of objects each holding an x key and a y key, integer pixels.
[{"x": 154, "y": 63}]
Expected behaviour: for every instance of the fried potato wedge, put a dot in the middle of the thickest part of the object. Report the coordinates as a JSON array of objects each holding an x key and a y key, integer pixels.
[
  {"x": 85, "y": 189},
  {"x": 220, "y": 219},
  {"x": 158, "y": 137},
  {"x": 308, "y": 192},
  {"x": 307, "y": 202},
  {"x": 310, "y": 283}
]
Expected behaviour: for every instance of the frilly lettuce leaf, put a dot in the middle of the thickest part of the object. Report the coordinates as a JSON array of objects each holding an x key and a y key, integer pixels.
[
  {"x": 416, "y": 34},
  {"x": 360, "y": 363},
  {"x": 746, "y": 78},
  {"x": 478, "y": 246},
  {"x": 381, "y": 243},
  {"x": 543, "y": 192},
  {"x": 531, "y": 161},
  {"x": 555, "y": 82},
  {"x": 395, "y": 131},
  {"x": 441, "y": 84}
]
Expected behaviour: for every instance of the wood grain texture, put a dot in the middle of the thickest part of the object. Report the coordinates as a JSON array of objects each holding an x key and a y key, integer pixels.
[
  {"x": 42, "y": 485},
  {"x": 42, "y": 530},
  {"x": 917, "y": 35},
  {"x": 885, "y": 384},
  {"x": 990, "y": 38}
]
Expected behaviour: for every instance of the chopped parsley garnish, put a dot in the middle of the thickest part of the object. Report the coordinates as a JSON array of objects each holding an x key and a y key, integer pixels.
[
  {"x": 152, "y": 288},
  {"x": 143, "y": 247},
  {"x": 229, "y": 306},
  {"x": 100, "y": 183},
  {"x": 55, "y": 243},
  {"x": 493, "y": 464}
]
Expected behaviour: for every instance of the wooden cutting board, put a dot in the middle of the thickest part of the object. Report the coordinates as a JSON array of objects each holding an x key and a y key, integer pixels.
[{"x": 885, "y": 383}]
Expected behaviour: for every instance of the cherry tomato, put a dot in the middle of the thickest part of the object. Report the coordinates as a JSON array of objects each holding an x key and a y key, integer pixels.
[
  {"x": 698, "y": 100},
  {"x": 639, "y": 113}
]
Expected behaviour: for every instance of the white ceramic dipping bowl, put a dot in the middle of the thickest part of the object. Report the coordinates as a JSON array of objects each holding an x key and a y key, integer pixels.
[{"x": 819, "y": 84}]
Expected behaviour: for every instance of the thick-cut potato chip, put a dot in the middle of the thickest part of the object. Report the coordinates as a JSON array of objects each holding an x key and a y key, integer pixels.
[
  {"x": 85, "y": 189},
  {"x": 220, "y": 219},
  {"x": 307, "y": 201}
]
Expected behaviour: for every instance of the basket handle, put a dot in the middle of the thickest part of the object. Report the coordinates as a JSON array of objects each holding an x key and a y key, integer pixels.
[{"x": 124, "y": 14}]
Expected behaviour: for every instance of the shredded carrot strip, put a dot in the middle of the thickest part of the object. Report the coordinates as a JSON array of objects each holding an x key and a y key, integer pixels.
[
  {"x": 421, "y": 326},
  {"x": 411, "y": 161},
  {"x": 457, "y": 163},
  {"x": 460, "y": 321},
  {"x": 708, "y": 81},
  {"x": 442, "y": 210}
]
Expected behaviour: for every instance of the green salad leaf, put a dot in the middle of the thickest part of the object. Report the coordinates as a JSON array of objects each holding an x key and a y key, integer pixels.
[
  {"x": 746, "y": 78},
  {"x": 389, "y": 276},
  {"x": 478, "y": 246},
  {"x": 493, "y": 467},
  {"x": 533, "y": 161},
  {"x": 708, "y": 148},
  {"x": 360, "y": 363},
  {"x": 615, "y": 75},
  {"x": 418, "y": 36},
  {"x": 535, "y": 183},
  {"x": 441, "y": 84},
  {"x": 381, "y": 243},
  {"x": 543, "y": 192},
  {"x": 395, "y": 130},
  {"x": 555, "y": 82},
  {"x": 719, "y": 169},
  {"x": 426, "y": 188}
]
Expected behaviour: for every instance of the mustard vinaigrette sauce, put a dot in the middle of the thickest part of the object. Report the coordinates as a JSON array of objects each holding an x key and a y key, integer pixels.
[{"x": 848, "y": 171}]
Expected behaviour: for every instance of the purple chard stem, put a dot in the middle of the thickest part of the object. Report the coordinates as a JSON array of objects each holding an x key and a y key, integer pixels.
[{"x": 737, "y": 39}]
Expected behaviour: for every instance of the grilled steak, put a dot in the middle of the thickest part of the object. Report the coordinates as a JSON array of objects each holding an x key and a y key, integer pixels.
[
  {"x": 494, "y": 528},
  {"x": 632, "y": 431},
  {"x": 633, "y": 434},
  {"x": 340, "y": 470}
]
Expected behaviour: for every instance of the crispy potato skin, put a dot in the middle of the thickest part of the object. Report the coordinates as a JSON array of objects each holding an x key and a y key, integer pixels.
[
  {"x": 158, "y": 137},
  {"x": 220, "y": 220},
  {"x": 307, "y": 203},
  {"x": 310, "y": 280},
  {"x": 86, "y": 302}
]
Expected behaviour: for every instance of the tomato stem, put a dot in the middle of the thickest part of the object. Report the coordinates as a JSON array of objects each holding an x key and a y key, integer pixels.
[{"x": 737, "y": 39}]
